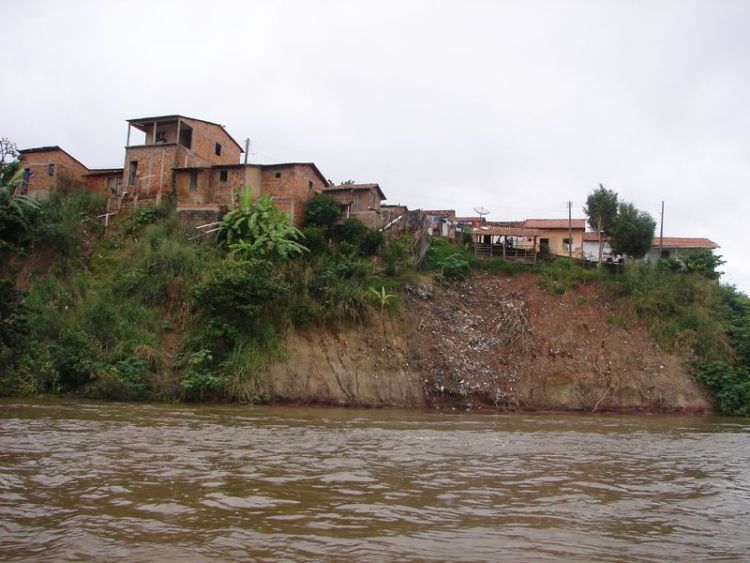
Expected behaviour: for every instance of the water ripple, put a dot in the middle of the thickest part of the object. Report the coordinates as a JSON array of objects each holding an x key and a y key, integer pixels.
[{"x": 93, "y": 481}]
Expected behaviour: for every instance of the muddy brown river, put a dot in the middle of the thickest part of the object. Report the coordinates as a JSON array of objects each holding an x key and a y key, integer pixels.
[{"x": 141, "y": 482}]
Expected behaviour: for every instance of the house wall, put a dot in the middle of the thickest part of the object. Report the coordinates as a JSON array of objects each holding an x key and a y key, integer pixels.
[
  {"x": 202, "y": 195},
  {"x": 205, "y": 137},
  {"x": 360, "y": 204},
  {"x": 67, "y": 173},
  {"x": 109, "y": 184},
  {"x": 391, "y": 212},
  {"x": 674, "y": 252},
  {"x": 556, "y": 245},
  {"x": 591, "y": 250},
  {"x": 291, "y": 187},
  {"x": 155, "y": 163}
]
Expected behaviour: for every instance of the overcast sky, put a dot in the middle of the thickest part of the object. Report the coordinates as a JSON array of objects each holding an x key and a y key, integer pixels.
[{"x": 514, "y": 106}]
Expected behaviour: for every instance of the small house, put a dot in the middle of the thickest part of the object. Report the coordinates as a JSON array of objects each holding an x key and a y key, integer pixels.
[
  {"x": 674, "y": 247},
  {"x": 359, "y": 201},
  {"x": 50, "y": 169},
  {"x": 440, "y": 222},
  {"x": 559, "y": 237}
]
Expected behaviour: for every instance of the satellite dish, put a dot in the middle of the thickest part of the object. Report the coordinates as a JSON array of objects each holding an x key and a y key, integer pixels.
[{"x": 482, "y": 210}]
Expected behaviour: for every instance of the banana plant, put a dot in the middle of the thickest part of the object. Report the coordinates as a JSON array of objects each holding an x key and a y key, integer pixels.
[{"x": 258, "y": 229}]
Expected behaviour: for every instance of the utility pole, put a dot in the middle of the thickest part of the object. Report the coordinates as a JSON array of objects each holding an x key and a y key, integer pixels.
[
  {"x": 661, "y": 232},
  {"x": 601, "y": 244},
  {"x": 247, "y": 149},
  {"x": 570, "y": 231}
]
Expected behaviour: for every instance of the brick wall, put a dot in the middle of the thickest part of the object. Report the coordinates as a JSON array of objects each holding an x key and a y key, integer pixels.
[
  {"x": 51, "y": 171},
  {"x": 297, "y": 183},
  {"x": 205, "y": 137},
  {"x": 107, "y": 183}
]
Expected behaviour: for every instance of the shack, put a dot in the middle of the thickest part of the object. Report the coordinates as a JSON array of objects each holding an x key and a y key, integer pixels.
[{"x": 515, "y": 244}]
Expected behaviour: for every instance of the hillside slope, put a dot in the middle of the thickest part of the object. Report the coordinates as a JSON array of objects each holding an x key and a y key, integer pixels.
[{"x": 490, "y": 343}]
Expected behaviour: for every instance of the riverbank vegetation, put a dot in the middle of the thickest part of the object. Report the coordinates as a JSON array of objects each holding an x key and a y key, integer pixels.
[{"x": 145, "y": 310}]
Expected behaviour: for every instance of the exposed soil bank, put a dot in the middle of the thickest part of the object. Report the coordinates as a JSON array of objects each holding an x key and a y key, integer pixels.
[{"x": 491, "y": 343}]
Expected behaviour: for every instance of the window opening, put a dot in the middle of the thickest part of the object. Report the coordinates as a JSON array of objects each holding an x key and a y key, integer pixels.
[{"x": 132, "y": 171}]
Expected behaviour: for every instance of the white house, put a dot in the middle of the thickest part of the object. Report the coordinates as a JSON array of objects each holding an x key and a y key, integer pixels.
[{"x": 672, "y": 247}]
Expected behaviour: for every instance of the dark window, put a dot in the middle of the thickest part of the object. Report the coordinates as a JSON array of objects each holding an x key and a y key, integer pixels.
[
  {"x": 132, "y": 171},
  {"x": 217, "y": 149},
  {"x": 309, "y": 185},
  {"x": 278, "y": 174},
  {"x": 223, "y": 175},
  {"x": 186, "y": 137},
  {"x": 50, "y": 170},
  {"x": 194, "y": 181},
  {"x": 665, "y": 254},
  {"x": 26, "y": 178}
]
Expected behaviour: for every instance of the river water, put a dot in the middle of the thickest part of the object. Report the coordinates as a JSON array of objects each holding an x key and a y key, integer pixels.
[{"x": 141, "y": 482}]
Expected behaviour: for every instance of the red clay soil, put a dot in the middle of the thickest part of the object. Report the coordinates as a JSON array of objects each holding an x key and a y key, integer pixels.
[{"x": 491, "y": 342}]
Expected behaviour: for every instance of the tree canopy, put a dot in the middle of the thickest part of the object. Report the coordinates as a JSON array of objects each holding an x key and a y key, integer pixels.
[
  {"x": 632, "y": 232},
  {"x": 601, "y": 209},
  {"x": 322, "y": 210}
]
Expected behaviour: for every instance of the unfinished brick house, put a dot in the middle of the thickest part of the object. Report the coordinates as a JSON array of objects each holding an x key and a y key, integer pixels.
[
  {"x": 204, "y": 189},
  {"x": 193, "y": 161},
  {"x": 360, "y": 201},
  {"x": 50, "y": 169}
]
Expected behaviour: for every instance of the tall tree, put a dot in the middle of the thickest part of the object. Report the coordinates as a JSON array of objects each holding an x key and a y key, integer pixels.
[
  {"x": 633, "y": 231},
  {"x": 601, "y": 210}
]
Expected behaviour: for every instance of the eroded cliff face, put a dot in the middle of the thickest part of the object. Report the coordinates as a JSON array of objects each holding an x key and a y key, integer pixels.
[{"x": 491, "y": 343}]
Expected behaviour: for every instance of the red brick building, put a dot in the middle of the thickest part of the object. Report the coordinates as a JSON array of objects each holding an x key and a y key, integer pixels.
[
  {"x": 360, "y": 201},
  {"x": 50, "y": 169},
  {"x": 290, "y": 185},
  {"x": 193, "y": 161}
]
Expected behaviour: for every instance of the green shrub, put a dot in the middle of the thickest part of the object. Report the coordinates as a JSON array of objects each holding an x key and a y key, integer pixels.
[
  {"x": 315, "y": 239},
  {"x": 397, "y": 255},
  {"x": 561, "y": 274},
  {"x": 244, "y": 368},
  {"x": 235, "y": 297},
  {"x": 201, "y": 381},
  {"x": 351, "y": 230},
  {"x": 730, "y": 386},
  {"x": 370, "y": 243},
  {"x": 454, "y": 267},
  {"x": 441, "y": 249},
  {"x": 337, "y": 285},
  {"x": 125, "y": 380},
  {"x": 259, "y": 230},
  {"x": 322, "y": 211},
  {"x": 497, "y": 265}
]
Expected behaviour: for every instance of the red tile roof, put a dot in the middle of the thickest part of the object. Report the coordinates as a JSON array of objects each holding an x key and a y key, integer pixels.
[
  {"x": 685, "y": 242},
  {"x": 509, "y": 231},
  {"x": 669, "y": 242},
  {"x": 447, "y": 213},
  {"x": 554, "y": 223}
]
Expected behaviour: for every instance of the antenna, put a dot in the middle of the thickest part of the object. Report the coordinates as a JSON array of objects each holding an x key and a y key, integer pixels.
[{"x": 482, "y": 211}]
